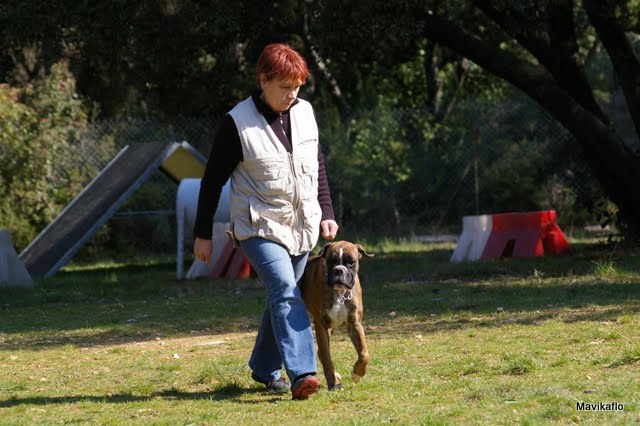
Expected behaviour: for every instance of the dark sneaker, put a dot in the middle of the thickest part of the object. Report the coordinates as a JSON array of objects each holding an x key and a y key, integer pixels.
[
  {"x": 304, "y": 387},
  {"x": 280, "y": 385}
]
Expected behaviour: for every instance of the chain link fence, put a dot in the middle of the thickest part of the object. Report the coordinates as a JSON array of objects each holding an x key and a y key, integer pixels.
[{"x": 392, "y": 172}]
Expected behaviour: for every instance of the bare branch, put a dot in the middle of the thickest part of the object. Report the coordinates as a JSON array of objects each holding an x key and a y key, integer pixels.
[
  {"x": 431, "y": 66},
  {"x": 320, "y": 64},
  {"x": 464, "y": 69},
  {"x": 533, "y": 80},
  {"x": 625, "y": 62},
  {"x": 554, "y": 46}
]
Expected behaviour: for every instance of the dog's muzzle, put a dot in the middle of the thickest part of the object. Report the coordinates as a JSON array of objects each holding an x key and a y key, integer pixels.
[{"x": 340, "y": 275}]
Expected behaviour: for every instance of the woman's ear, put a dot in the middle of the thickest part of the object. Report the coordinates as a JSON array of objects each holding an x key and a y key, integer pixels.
[{"x": 262, "y": 78}]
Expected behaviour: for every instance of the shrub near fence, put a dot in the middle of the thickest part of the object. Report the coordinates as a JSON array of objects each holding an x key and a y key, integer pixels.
[
  {"x": 41, "y": 152},
  {"x": 396, "y": 173}
]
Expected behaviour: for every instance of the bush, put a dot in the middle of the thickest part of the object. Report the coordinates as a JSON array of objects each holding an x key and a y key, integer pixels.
[{"x": 40, "y": 173}]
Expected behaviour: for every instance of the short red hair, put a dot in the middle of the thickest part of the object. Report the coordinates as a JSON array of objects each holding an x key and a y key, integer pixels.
[{"x": 278, "y": 60}]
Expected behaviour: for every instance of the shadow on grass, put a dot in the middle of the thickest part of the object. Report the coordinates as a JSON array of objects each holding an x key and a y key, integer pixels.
[
  {"x": 132, "y": 303},
  {"x": 232, "y": 393},
  {"x": 506, "y": 319},
  {"x": 503, "y": 292},
  {"x": 435, "y": 264}
]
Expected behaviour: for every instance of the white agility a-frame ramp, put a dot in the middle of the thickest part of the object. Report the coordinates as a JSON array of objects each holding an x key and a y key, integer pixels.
[{"x": 103, "y": 196}]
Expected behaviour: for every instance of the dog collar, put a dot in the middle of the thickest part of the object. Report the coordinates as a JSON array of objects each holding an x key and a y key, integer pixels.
[{"x": 347, "y": 295}]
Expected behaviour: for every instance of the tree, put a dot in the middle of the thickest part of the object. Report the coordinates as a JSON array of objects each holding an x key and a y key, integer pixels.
[
  {"x": 182, "y": 57},
  {"x": 535, "y": 45},
  {"x": 40, "y": 172},
  {"x": 365, "y": 53}
]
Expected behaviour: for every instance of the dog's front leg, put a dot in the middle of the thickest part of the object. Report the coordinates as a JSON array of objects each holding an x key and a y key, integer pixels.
[
  {"x": 324, "y": 353},
  {"x": 356, "y": 333}
]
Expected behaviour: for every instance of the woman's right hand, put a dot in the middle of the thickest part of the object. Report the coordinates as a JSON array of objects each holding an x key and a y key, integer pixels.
[{"x": 202, "y": 249}]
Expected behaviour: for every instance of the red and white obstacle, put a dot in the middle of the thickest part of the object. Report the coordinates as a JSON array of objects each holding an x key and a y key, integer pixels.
[{"x": 510, "y": 235}]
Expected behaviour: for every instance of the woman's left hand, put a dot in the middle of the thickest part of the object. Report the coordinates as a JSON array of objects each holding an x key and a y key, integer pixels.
[{"x": 329, "y": 229}]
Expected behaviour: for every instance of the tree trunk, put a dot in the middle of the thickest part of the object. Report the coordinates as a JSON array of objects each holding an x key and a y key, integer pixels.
[{"x": 615, "y": 167}]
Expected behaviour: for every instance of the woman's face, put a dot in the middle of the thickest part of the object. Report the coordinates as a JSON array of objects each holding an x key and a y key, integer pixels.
[{"x": 279, "y": 93}]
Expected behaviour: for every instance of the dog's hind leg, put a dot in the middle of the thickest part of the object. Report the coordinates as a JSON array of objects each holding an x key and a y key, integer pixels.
[{"x": 356, "y": 333}]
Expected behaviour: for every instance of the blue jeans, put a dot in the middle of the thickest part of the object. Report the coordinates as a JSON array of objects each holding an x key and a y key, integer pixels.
[{"x": 284, "y": 336}]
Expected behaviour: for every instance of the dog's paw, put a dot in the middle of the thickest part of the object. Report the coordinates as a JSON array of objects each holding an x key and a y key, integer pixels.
[
  {"x": 337, "y": 376},
  {"x": 355, "y": 377},
  {"x": 336, "y": 387}
]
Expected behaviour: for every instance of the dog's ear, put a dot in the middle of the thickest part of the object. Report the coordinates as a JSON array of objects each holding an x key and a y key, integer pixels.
[
  {"x": 362, "y": 251},
  {"x": 324, "y": 249}
]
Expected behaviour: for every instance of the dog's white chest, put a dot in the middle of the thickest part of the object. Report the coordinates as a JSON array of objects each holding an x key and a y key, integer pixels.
[{"x": 338, "y": 314}]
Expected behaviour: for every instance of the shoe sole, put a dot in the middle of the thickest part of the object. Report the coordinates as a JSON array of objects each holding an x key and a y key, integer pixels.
[{"x": 306, "y": 388}]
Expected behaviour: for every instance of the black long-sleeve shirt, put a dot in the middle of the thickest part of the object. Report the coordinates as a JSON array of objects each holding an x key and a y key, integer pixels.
[{"x": 226, "y": 153}]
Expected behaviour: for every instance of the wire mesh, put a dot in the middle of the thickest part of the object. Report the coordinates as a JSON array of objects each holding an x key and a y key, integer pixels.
[{"x": 392, "y": 172}]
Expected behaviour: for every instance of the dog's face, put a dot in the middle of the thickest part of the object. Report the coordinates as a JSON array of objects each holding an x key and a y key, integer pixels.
[{"x": 342, "y": 262}]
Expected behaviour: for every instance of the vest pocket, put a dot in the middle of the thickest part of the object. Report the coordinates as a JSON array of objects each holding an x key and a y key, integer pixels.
[
  {"x": 310, "y": 180},
  {"x": 310, "y": 145},
  {"x": 312, "y": 214},
  {"x": 266, "y": 218},
  {"x": 311, "y": 231},
  {"x": 267, "y": 168},
  {"x": 270, "y": 174}
]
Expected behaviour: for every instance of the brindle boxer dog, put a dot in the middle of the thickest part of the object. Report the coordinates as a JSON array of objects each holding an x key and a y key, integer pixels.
[{"x": 332, "y": 293}]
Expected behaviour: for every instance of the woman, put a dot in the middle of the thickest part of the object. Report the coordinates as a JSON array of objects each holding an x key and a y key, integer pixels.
[{"x": 280, "y": 200}]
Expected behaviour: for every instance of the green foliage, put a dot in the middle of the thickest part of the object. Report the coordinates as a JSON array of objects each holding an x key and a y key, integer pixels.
[
  {"x": 380, "y": 148},
  {"x": 399, "y": 167},
  {"x": 401, "y": 153},
  {"x": 369, "y": 169},
  {"x": 40, "y": 172}
]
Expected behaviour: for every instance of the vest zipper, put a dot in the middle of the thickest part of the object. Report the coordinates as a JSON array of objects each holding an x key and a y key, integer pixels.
[{"x": 296, "y": 197}]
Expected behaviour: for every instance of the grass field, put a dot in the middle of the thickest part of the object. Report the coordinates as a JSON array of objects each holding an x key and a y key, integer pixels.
[{"x": 517, "y": 341}]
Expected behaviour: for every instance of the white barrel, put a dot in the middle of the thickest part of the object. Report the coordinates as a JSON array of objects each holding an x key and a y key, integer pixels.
[{"x": 186, "y": 207}]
